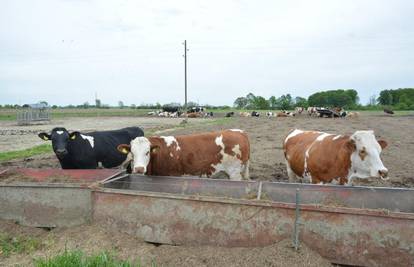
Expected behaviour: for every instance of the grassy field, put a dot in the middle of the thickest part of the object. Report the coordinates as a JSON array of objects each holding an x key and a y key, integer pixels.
[{"x": 37, "y": 150}]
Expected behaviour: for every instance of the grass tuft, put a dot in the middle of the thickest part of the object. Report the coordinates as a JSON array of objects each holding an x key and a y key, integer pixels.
[
  {"x": 78, "y": 259},
  {"x": 9, "y": 244},
  {"x": 37, "y": 150}
]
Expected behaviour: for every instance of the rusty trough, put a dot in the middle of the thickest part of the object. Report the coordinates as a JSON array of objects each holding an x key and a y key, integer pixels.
[{"x": 363, "y": 226}]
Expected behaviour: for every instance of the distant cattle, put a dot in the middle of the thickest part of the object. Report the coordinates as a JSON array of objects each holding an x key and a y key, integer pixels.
[
  {"x": 313, "y": 111},
  {"x": 270, "y": 114},
  {"x": 209, "y": 114},
  {"x": 284, "y": 113},
  {"x": 244, "y": 114},
  {"x": 322, "y": 158},
  {"x": 194, "y": 115},
  {"x": 206, "y": 154},
  {"x": 195, "y": 109},
  {"x": 281, "y": 115},
  {"x": 299, "y": 110},
  {"x": 255, "y": 114},
  {"x": 352, "y": 114},
  {"x": 229, "y": 114},
  {"x": 77, "y": 150},
  {"x": 388, "y": 111}
]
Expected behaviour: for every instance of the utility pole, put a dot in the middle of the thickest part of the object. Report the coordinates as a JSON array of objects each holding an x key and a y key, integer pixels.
[{"x": 185, "y": 75}]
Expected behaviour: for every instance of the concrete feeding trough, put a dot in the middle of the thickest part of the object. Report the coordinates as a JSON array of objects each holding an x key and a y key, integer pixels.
[{"x": 368, "y": 226}]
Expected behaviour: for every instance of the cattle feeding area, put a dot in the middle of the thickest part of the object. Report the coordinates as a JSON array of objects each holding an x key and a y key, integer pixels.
[{"x": 264, "y": 205}]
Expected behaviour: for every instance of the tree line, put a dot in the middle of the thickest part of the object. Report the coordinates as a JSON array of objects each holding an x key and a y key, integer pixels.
[
  {"x": 332, "y": 98},
  {"x": 399, "y": 99},
  {"x": 402, "y": 98}
]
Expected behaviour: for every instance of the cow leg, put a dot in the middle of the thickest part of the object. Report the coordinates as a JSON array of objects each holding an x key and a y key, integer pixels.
[
  {"x": 292, "y": 176},
  {"x": 245, "y": 171}
]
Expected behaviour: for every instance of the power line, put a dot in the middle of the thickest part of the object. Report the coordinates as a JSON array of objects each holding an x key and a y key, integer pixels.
[{"x": 185, "y": 75}]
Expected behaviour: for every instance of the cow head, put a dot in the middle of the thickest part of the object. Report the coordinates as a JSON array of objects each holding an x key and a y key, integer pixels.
[
  {"x": 365, "y": 158},
  {"x": 141, "y": 150},
  {"x": 60, "y": 138}
]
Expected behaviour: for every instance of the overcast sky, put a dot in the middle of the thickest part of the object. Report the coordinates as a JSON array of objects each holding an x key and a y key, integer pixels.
[{"x": 65, "y": 51}]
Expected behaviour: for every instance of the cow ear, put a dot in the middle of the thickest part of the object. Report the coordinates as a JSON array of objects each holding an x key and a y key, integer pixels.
[
  {"x": 72, "y": 135},
  {"x": 154, "y": 149},
  {"x": 44, "y": 136},
  {"x": 124, "y": 148},
  {"x": 351, "y": 145},
  {"x": 383, "y": 143}
]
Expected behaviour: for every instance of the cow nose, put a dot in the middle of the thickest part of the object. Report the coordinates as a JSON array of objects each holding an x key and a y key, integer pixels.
[
  {"x": 140, "y": 170},
  {"x": 383, "y": 173},
  {"x": 61, "y": 151}
]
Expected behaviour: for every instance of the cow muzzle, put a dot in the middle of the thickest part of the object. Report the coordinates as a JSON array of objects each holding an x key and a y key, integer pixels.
[
  {"x": 140, "y": 170},
  {"x": 61, "y": 152},
  {"x": 383, "y": 174}
]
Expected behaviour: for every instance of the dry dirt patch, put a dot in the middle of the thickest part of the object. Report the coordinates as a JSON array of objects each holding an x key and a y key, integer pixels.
[{"x": 94, "y": 239}]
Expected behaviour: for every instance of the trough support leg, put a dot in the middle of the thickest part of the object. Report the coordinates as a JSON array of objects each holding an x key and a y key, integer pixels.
[
  {"x": 259, "y": 191},
  {"x": 296, "y": 226}
]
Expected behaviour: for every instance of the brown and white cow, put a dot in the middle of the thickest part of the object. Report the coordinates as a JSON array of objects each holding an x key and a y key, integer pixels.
[
  {"x": 321, "y": 158},
  {"x": 205, "y": 154}
]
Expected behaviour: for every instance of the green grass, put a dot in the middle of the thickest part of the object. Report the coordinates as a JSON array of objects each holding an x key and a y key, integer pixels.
[
  {"x": 15, "y": 244},
  {"x": 17, "y": 154},
  {"x": 79, "y": 259}
]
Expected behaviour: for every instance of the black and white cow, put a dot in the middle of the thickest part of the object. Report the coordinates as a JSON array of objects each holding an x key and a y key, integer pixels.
[
  {"x": 77, "y": 150},
  {"x": 255, "y": 114}
]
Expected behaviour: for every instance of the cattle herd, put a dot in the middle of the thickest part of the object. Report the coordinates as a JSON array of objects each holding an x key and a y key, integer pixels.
[
  {"x": 311, "y": 156},
  {"x": 198, "y": 112}
]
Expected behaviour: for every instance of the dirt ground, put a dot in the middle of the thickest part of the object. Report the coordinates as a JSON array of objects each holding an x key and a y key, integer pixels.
[
  {"x": 93, "y": 239},
  {"x": 16, "y": 137},
  {"x": 267, "y": 163},
  {"x": 266, "y": 137}
]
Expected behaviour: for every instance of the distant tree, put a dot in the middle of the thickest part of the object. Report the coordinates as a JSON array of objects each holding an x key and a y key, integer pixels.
[
  {"x": 260, "y": 102},
  {"x": 273, "y": 102},
  {"x": 250, "y": 98},
  {"x": 191, "y": 104},
  {"x": 98, "y": 103},
  {"x": 334, "y": 98},
  {"x": 86, "y": 104},
  {"x": 301, "y": 102},
  {"x": 54, "y": 107},
  {"x": 120, "y": 104},
  {"x": 240, "y": 102},
  {"x": 133, "y": 106},
  {"x": 286, "y": 102}
]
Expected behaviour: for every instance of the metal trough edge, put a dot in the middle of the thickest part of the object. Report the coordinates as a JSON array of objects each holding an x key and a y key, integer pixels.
[{"x": 264, "y": 203}]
